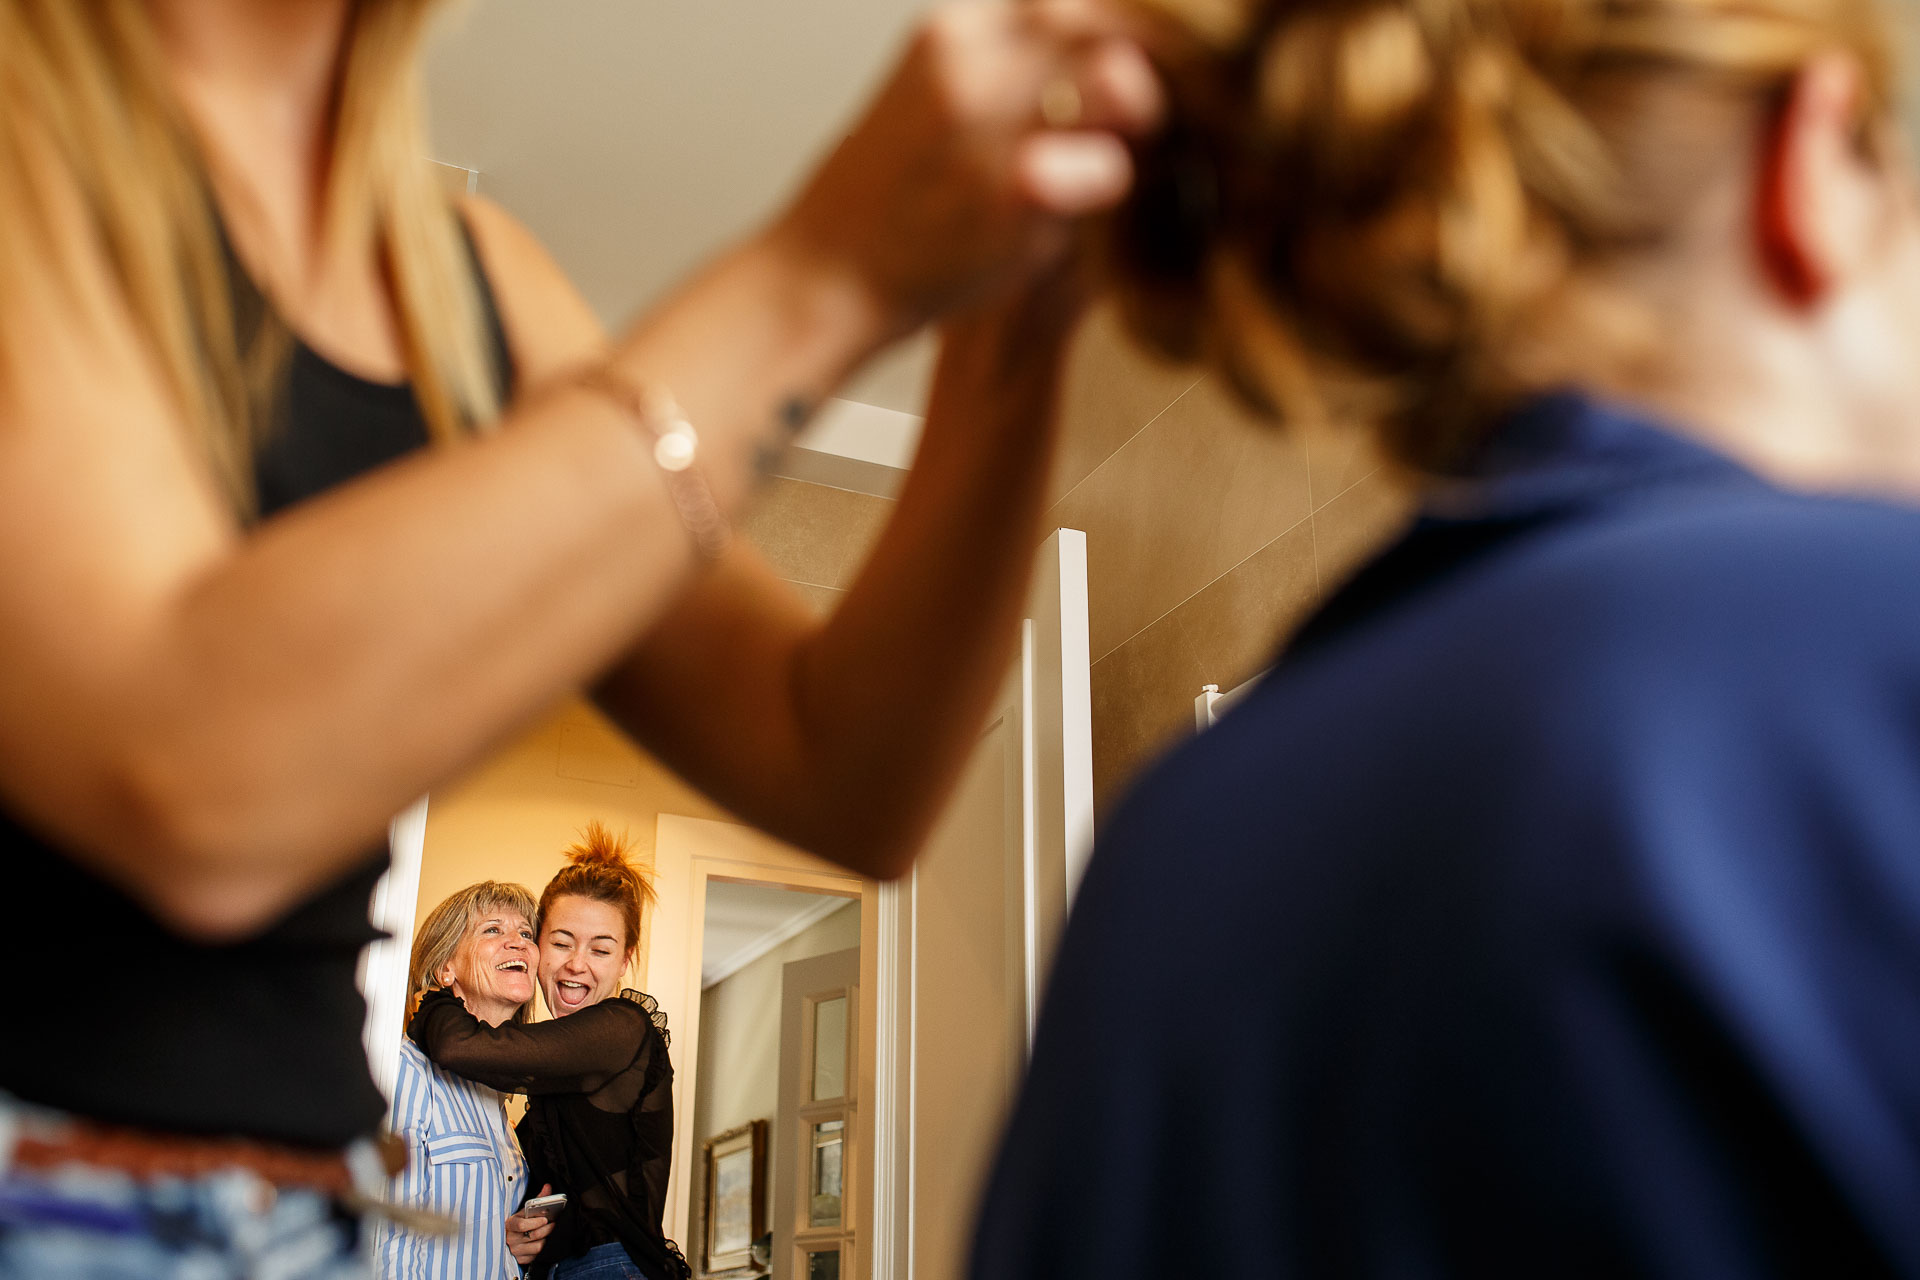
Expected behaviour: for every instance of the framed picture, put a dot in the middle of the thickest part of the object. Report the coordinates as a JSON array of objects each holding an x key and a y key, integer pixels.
[{"x": 736, "y": 1198}]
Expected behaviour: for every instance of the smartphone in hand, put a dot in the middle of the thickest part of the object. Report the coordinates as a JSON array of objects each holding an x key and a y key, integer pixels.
[{"x": 547, "y": 1207}]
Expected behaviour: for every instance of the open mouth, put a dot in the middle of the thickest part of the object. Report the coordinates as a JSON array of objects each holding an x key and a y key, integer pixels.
[
  {"x": 571, "y": 993},
  {"x": 512, "y": 966}
]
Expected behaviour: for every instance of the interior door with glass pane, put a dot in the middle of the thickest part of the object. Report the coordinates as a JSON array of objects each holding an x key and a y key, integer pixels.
[{"x": 813, "y": 1195}]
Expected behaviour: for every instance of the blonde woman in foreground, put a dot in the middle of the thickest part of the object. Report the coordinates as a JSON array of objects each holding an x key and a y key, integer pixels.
[
  {"x": 248, "y": 613},
  {"x": 1553, "y": 909}
]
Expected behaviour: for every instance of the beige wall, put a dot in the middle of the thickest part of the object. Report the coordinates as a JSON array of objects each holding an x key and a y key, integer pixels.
[
  {"x": 967, "y": 1032},
  {"x": 739, "y": 1073},
  {"x": 1209, "y": 536},
  {"x": 815, "y": 537},
  {"x": 510, "y": 818}
]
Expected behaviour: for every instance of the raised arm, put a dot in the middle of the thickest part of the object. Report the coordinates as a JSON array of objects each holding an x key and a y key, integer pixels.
[
  {"x": 574, "y": 1054},
  {"x": 220, "y": 723},
  {"x": 844, "y": 737}
]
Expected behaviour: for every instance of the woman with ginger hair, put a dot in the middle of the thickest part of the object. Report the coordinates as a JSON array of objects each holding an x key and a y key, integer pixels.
[
  {"x": 1553, "y": 908},
  {"x": 599, "y": 1122},
  {"x": 314, "y": 489}
]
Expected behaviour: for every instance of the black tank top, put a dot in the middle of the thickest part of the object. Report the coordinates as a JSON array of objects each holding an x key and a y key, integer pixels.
[{"x": 260, "y": 1038}]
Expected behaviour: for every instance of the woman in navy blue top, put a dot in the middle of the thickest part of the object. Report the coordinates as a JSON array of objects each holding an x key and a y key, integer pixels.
[{"x": 1553, "y": 908}]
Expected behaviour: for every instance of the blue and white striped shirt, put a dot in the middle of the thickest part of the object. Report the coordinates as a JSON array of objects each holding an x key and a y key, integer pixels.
[{"x": 463, "y": 1162}]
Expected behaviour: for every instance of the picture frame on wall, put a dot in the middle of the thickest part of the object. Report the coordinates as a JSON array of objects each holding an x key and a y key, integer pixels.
[{"x": 736, "y": 1199}]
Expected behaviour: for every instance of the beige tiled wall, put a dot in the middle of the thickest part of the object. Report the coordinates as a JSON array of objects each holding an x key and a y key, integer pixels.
[
  {"x": 1210, "y": 535},
  {"x": 815, "y": 537}
]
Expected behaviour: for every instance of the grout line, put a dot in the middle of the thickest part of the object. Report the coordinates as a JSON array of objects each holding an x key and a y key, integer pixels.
[
  {"x": 1135, "y": 435},
  {"x": 1349, "y": 489},
  {"x": 1174, "y": 608},
  {"x": 1316, "y": 550},
  {"x": 802, "y": 582},
  {"x": 841, "y": 488}
]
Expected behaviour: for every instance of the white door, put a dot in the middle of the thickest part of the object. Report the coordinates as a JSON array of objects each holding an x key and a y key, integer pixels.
[
  {"x": 967, "y": 936},
  {"x": 816, "y": 1124}
]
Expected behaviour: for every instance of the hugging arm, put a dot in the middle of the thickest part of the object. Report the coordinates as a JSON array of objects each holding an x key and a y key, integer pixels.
[
  {"x": 799, "y": 726},
  {"x": 574, "y": 1054}
]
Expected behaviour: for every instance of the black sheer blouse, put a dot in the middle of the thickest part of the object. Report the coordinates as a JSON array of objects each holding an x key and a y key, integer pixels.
[{"x": 599, "y": 1122}]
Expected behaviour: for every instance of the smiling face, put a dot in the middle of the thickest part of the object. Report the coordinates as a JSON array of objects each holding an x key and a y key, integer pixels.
[
  {"x": 491, "y": 971},
  {"x": 583, "y": 949}
]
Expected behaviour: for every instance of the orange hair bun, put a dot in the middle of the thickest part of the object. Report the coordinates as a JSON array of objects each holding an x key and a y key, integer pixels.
[
  {"x": 598, "y": 846},
  {"x": 599, "y": 868}
]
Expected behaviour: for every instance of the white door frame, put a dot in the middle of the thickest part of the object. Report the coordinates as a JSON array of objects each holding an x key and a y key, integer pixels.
[{"x": 689, "y": 852}]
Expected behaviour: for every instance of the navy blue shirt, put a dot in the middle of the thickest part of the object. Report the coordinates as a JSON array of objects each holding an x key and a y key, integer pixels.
[{"x": 1553, "y": 909}]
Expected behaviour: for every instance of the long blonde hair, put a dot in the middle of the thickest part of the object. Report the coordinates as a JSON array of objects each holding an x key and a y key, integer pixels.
[
  {"x": 1365, "y": 208},
  {"x": 85, "y": 80},
  {"x": 439, "y": 936}
]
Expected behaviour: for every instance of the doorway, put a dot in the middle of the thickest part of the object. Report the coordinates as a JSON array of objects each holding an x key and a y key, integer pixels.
[
  {"x": 746, "y": 1117},
  {"x": 755, "y": 912}
]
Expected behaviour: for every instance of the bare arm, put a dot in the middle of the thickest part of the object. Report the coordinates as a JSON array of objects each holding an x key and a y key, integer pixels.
[
  {"x": 798, "y": 724},
  {"x": 220, "y": 722},
  {"x": 844, "y": 737},
  {"x": 841, "y": 736}
]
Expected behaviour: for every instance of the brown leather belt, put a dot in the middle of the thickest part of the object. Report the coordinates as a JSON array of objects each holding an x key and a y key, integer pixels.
[{"x": 149, "y": 1156}]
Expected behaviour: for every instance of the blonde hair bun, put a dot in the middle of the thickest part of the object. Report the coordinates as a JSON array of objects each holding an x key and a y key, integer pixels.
[{"x": 1366, "y": 211}]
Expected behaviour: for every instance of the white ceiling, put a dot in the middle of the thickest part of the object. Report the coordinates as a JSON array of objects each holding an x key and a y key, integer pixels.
[
  {"x": 745, "y": 921},
  {"x": 636, "y": 137}
]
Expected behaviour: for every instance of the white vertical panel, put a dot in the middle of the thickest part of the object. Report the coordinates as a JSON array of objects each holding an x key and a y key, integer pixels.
[
  {"x": 1062, "y": 714},
  {"x": 383, "y": 965},
  {"x": 1073, "y": 658},
  {"x": 891, "y": 1251}
]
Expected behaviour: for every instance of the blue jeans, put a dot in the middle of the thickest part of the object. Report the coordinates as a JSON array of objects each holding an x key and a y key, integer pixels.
[
  {"x": 84, "y": 1223},
  {"x": 602, "y": 1262}
]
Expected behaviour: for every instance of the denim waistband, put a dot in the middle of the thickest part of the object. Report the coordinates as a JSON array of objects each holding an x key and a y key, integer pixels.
[
  {"x": 79, "y": 1222},
  {"x": 83, "y": 1223}
]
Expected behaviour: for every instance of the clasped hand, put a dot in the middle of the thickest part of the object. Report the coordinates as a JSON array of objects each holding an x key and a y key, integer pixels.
[{"x": 964, "y": 174}]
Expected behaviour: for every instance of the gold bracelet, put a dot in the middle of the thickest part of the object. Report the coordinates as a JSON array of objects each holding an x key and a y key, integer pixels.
[{"x": 676, "y": 448}]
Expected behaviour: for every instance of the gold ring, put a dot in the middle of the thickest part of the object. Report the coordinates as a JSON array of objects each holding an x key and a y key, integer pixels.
[{"x": 1060, "y": 104}]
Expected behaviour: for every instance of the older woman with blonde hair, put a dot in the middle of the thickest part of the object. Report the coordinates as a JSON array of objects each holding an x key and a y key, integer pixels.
[
  {"x": 315, "y": 488},
  {"x": 1552, "y": 909},
  {"x": 462, "y": 1161}
]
